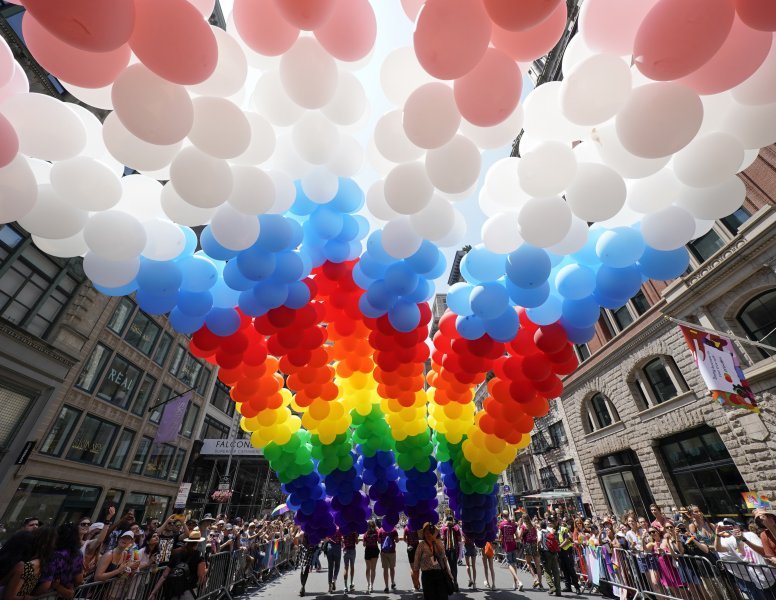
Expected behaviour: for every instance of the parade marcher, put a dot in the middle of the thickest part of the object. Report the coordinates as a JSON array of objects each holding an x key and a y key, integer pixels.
[
  {"x": 349, "y": 542},
  {"x": 451, "y": 538},
  {"x": 432, "y": 564},
  {"x": 371, "y": 553},
  {"x": 412, "y": 539},
  {"x": 388, "y": 541},
  {"x": 470, "y": 556},
  {"x": 508, "y": 535},
  {"x": 566, "y": 557}
]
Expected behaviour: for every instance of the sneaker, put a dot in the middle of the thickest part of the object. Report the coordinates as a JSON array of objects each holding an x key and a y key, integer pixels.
[
  {"x": 486, "y": 585},
  {"x": 352, "y": 588},
  {"x": 301, "y": 592},
  {"x": 393, "y": 586},
  {"x": 386, "y": 590},
  {"x": 519, "y": 586}
]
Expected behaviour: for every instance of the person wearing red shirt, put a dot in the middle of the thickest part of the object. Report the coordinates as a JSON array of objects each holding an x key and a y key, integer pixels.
[
  {"x": 507, "y": 537},
  {"x": 349, "y": 542},
  {"x": 412, "y": 539},
  {"x": 388, "y": 541}
]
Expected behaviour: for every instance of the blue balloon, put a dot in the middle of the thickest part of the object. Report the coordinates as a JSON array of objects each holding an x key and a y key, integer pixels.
[
  {"x": 404, "y": 316},
  {"x": 471, "y": 327},
  {"x": 190, "y": 247},
  {"x": 528, "y": 266},
  {"x": 663, "y": 264},
  {"x": 198, "y": 273},
  {"x": 422, "y": 292},
  {"x": 360, "y": 279},
  {"x": 195, "y": 304},
  {"x": 578, "y": 335},
  {"x": 439, "y": 268},
  {"x": 528, "y": 297},
  {"x": 480, "y": 265},
  {"x": 549, "y": 311},
  {"x": 159, "y": 277},
  {"x": 618, "y": 283},
  {"x": 489, "y": 300},
  {"x": 619, "y": 247},
  {"x": 234, "y": 277},
  {"x": 581, "y": 313},
  {"x": 371, "y": 267},
  {"x": 349, "y": 198},
  {"x": 289, "y": 267},
  {"x": 587, "y": 254},
  {"x": 610, "y": 302},
  {"x": 183, "y": 323},
  {"x": 251, "y": 305},
  {"x": 298, "y": 295},
  {"x": 156, "y": 304},
  {"x": 326, "y": 222},
  {"x": 374, "y": 246},
  {"x": 302, "y": 204},
  {"x": 380, "y": 296},
  {"x": 349, "y": 230},
  {"x": 336, "y": 251},
  {"x": 223, "y": 321},
  {"x": 363, "y": 226},
  {"x": 424, "y": 259},
  {"x": 276, "y": 233},
  {"x": 575, "y": 281},
  {"x": 459, "y": 298},
  {"x": 400, "y": 278},
  {"x": 255, "y": 263},
  {"x": 369, "y": 311},
  {"x": 270, "y": 293},
  {"x": 124, "y": 290},
  {"x": 504, "y": 327},
  {"x": 212, "y": 248}
]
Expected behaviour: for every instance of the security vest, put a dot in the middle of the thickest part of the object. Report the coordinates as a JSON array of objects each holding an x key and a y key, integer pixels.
[{"x": 564, "y": 537}]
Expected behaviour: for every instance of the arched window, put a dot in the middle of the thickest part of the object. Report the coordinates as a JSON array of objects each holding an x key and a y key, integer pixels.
[
  {"x": 659, "y": 380},
  {"x": 598, "y": 412},
  {"x": 758, "y": 318}
]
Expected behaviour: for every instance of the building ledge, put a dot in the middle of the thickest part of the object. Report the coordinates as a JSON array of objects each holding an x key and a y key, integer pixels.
[
  {"x": 599, "y": 434},
  {"x": 762, "y": 369},
  {"x": 653, "y": 412}
]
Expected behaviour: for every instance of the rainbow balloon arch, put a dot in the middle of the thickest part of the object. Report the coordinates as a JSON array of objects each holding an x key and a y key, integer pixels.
[{"x": 311, "y": 295}]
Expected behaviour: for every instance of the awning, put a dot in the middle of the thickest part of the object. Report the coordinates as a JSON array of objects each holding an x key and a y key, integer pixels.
[{"x": 550, "y": 496}]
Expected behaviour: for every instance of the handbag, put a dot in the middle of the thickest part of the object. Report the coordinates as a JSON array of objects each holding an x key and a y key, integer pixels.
[{"x": 449, "y": 583}]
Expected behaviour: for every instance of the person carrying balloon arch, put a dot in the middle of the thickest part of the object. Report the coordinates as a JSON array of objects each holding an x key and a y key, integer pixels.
[
  {"x": 388, "y": 540},
  {"x": 349, "y": 542},
  {"x": 470, "y": 556},
  {"x": 306, "y": 551},
  {"x": 451, "y": 538},
  {"x": 412, "y": 539},
  {"x": 508, "y": 536},
  {"x": 371, "y": 552}
]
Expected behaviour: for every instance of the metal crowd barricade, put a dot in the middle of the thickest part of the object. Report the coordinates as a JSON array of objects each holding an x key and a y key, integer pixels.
[
  {"x": 218, "y": 573},
  {"x": 135, "y": 586},
  {"x": 747, "y": 581}
]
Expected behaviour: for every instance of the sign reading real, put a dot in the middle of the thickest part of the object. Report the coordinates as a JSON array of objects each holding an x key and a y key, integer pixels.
[{"x": 215, "y": 447}]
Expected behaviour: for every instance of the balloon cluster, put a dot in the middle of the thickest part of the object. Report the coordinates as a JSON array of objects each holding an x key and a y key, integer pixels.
[{"x": 420, "y": 493}]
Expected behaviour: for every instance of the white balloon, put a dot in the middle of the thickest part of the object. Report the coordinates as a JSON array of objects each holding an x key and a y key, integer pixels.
[
  {"x": 760, "y": 88},
  {"x": 401, "y": 74},
  {"x": 457, "y": 233},
  {"x": 288, "y": 159},
  {"x": 308, "y": 73},
  {"x": 625, "y": 218},
  {"x": 408, "y": 188},
  {"x": 272, "y": 102},
  {"x": 377, "y": 161},
  {"x": 399, "y": 238},
  {"x": 708, "y": 160},
  {"x": 41, "y": 169},
  {"x": 95, "y": 145},
  {"x": 376, "y": 203},
  {"x": 115, "y": 235},
  {"x": 434, "y": 221},
  {"x": 503, "y": 185},
  {"x": 715, "y": 108},
  {"x": 234, "y": 230},
  {"x": 614, "y": 154},
  {"x": 574, "y": 240},
  {"x": 141, "y": 198},
  {"x": 455, "y": 167},
  {"x": 547, "y": 170},
  {"x": 199, "y": 179},
  {"x": 576, "y": 52},
  {"x": 595, "y": 90},
  {"x": 316, "y": 139},
  {"x": 749, "y": 157},
  {"x": 431, "y": 116},
  {"x": 754, "y": 126},
  {"x": 53, "y": 218},
  {"x": 18, "y": 189},
  {"x": 231, "y": 69},
  {"x": 659, "y": 119},
  {"x": 653, "y": 193},
  {"x": 151, "y": 108},
  {"x": 64, "y": 248},
  {"x": 180, "y": 211},
  {"x": 133, "y": 152},
  {"x": 544, "y": 119},
  {"x": 501, "y": 233},
  {"x": 702, "y": 228},
  {"x": 262, "y": 143},
  {"x": 596, "y": 193},
  {"x": 587, "y": 152},
  {"x": 349, "y": 159},
  {"x": 713, "y": 202},
  {"x": 285, "y": 192},
  {"x": 392, "y": 141},
  {"x": 220, "y": 128},
  {"x": 349, "y": 102},
  {"x": 253, "y": 191},
  {"x": 86, "y": 183},
  {"x": 490, "y": 138},
  {"x": 667, "y": 229},
  {"x": 46, "y": 128},
  {"x": 488, "y": 205},
  {"x": 165, "y": 240},
  {"x": 544, "y": 222},
  {"x": 96, "y": 97},
  {"x": 110, "y": 273},
  {"x": 320, "y": 185}
]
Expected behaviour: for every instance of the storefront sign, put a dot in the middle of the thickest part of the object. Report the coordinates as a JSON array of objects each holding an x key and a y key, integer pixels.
[
  {"x": 183, "y": 495},
  {"x": 25, "y": 453},
  {"x": 213, "y": 447},
  {"x": 756, "y": 500}
]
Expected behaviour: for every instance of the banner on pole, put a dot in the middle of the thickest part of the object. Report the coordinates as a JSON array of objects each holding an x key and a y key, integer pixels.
[
  {"x": 718, "y": 364},
  {"x": 172, "y": 419}
]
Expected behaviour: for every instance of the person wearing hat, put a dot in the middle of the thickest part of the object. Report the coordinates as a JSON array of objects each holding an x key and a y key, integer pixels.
[
  {"x": 451, "y": 538},
  {"x": 185, "y": 572},
  {"x": 118, "y": 561},
  {"x": 432, "y": 564}
]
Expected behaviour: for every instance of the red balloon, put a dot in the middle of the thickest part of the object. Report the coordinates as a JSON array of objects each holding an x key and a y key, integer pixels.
[
  {"x": 451, "y": 36},
  {"x": 757, "y": 14},
  {"x": 564, "y": 355},
  {"x": 227, "y": 360},
  {"x": 91, "y": 25},
  {"x": 532, "y": 43},
  {"x": 522, "y": 392},
  {"x": 306, "y": 14},
  {"x": 350, "y": 33},
  {"x": 523, "y": 344},
  {"x": 520, "y": 15},
  {"x": 536, "y": 367},
  {"x": 262, "y": 27},
  {"x": 236, "y": 343},
  {"x": 536, "y": 408},
  {"x": 550, "y": 387},
  {"x": 550, "y": 338},
  {"x": 489, "y": 93}
]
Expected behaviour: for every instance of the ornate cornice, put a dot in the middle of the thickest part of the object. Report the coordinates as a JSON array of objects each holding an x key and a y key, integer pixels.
[{"x": 39, "y": 346}]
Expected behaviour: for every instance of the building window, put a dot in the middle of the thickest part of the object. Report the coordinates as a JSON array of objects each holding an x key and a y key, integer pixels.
[
  {"x": 598, "y": 412},
  {"x": 192, "y": 412},
  {"x": 583, "y": 352},
  {"x": 640, "y": 303},
  {"x": 144, "y": 393},
  {"x": 221, "y": 399},
  {"x": 557, "y": 434},
  {"x": 758, "y": 318},
  {"x": 214, "y": 430},
  {"x": 60, "y": 431},
  {"x": 203, "y": 381},
  {"x": 177, "y": 464},
  {"x": 9, "y": 238},
  {"x": 659, "y": 380},
  {"x": 703, "y": 471},
  {"x": 119, "y": 382},
  {"x": 14, "y": 406},
  {"x": 622, "y": 316},
  {"x": 706, "y": 246},
  {"x": 143, "y": 333},
  {"x": 623, "y": 482},
  {"x": 93, "y": 441},
  {"x": 158, "y": 464},
  {"x": 568, "y": 472},
  {"x": 147, "y": 506},
  {"x": 141, "y": 453},
  {"x": 121, "y": 451},
  {"x": 733, "y": 222},
  {"x": 547, "y": 478},
  {"x": 165, "y": 392},
  {"x": 162, "y": 349},
  {"x": 93, "y": 368},
  {"x": 121, "y": 316},
  {"x": 177, "y": 358}
]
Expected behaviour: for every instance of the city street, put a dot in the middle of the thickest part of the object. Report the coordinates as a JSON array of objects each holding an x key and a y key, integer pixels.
[{"x": 287, "y": 585}]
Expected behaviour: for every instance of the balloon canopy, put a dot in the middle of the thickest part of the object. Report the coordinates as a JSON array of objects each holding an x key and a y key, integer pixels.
[{"x": 309, "y": 275}]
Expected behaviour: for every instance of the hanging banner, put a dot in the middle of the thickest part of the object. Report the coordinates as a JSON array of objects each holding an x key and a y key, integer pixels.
[
  {"x": 756, "y": 500},
  {"x": 172, "y": 419},
  {"x": 718, "y": 363}
]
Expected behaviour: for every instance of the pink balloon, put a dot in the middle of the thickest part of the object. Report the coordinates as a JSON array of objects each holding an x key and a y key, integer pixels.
[
  {"x": 306, "y": 14},
  {"x": 489, "y": 93},
  {"x": 529, "y": 45},
  {"x": 79, "y": 67},
  {"x": 520, "y": 15},
  {"x": 205, "y": 7},
  {"x": 679, "y": 36},
  {"x": 350, "y": 32},
  {"x": 91, "y": 25},
  {"x": 262, "y": 27},
  {"x": 741, "y": 55},
  {"x": 758, "y": 14},
  {"x": 609, "y": 26},
  {"x": 173, "y": 40},
  {"x": 412, "y": 8},
  {"x": 9, "y": 142},
  {"x": 451, "y": 36}
]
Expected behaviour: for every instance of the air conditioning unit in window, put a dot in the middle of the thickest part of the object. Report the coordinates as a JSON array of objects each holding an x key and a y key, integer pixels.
[{"x": 576, "y": 480}]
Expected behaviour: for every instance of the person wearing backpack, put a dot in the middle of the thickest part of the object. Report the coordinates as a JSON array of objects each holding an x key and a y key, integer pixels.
[
  {"x": 387, "y": 541},
  {"x": 451, "y": 538},
  {"x": 549, "y": 548},
  {"x": 184, "y": 573}
]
